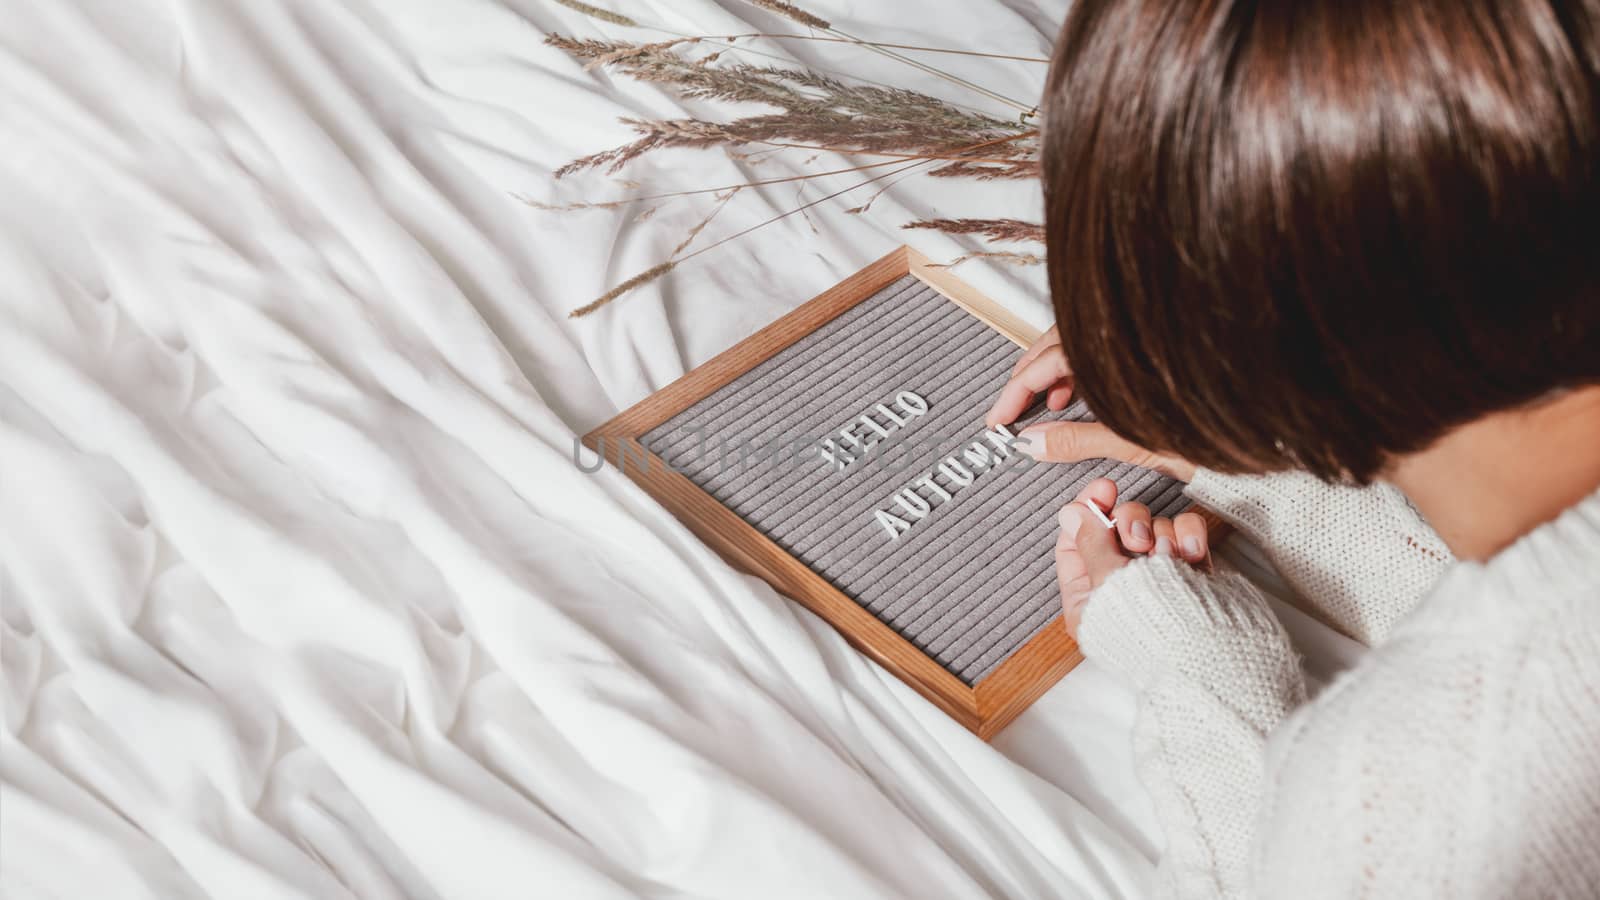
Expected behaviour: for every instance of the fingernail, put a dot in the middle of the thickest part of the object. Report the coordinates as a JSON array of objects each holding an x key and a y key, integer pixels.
[
  {"x": 1069, "y": 519},
  {"x": 1164, "y": 546},
  {"x": 1031, "y": 444},
  {"x": 1191, "y": 547},
  {"x": 1141, "y": 531}
]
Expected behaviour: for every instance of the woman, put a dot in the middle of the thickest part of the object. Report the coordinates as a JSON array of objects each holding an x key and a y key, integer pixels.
[{"x": 1297, "y": 247}]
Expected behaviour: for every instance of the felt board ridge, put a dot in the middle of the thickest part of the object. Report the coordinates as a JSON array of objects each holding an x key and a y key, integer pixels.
[{"x": 972, "y": 581}]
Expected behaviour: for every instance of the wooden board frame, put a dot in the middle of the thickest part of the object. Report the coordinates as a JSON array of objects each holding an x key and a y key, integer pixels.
[{"x": 985, "y": 708}]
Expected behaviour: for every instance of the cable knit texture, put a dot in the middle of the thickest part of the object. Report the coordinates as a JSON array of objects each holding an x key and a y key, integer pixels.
[
  {"x": 1460, "y": 759},
  {"x": 1360, "y": 558}
]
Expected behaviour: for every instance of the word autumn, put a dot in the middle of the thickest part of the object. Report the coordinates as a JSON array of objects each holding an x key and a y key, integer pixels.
[{"x": 910, "y": 506}]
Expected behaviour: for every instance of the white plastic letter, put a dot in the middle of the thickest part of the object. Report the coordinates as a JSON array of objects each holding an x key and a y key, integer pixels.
[
  {"x": 867, "y": 420},
  {"x": 892, "y": 524},
  {"x": 889, "y": 413},
  {"x": 928, "y": 482},
  {"x": 956, "y": 472},
  {"x": 911, "y": 403},
  {"x": 978, "y": 456},
  {"x": 1001, "y": 437},
  {"x": 913, "y": 503},
  {"x": 833, "y": 454}
]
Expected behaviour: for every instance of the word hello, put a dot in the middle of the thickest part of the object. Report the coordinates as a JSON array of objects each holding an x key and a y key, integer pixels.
[
  {"x": 858, "y": 436},
  {"x": 910, "y": 505}
]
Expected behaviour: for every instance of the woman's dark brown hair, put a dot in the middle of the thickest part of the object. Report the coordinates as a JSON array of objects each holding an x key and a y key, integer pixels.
[{"x": 1319, "y": 234}]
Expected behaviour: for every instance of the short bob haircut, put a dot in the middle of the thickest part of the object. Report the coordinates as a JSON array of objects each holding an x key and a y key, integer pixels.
[{"x": 1319, "y": 235}]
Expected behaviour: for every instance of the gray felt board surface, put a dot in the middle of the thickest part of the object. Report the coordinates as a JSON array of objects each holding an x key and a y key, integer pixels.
[{"x": 970, "y": 577}]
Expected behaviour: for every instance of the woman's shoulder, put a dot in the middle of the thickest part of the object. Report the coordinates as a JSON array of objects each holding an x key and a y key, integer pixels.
[
  {"x": 1436, "y": 680},
  {"x": 1544, "y": 587},
  {"x": 1468, "y": 735},
  {"x": 1486, "y": 643}
]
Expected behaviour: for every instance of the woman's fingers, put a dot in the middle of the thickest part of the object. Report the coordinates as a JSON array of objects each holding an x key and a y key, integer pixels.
[
  {"x": 1073, "y": 577},
  {"x": 1047, "y": 370},
  {"x": 1044, "y": 369},
  {"x": 1166, "y": 537},
  {"x": 1184, "y": 538},
  {"x": 1060, "y": 396},
  {"x": 1074, "y": 441},
  {"x": 1193, "y": 542},
  {"x": 1133, "y": 526},
  {"x": 1098, "y": 546},
  {"x": 1087, "y": 552},
  {"x": 1050, "y": 337}
]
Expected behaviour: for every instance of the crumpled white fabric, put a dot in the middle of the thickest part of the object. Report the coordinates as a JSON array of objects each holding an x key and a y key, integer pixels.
[{"x": 302, "y": 593}]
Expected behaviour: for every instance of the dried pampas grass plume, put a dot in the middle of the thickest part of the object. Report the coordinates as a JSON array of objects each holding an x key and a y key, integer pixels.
[
  {"x": 639, "y": 280},
  {"x": 568, "y": 207},
  {"x": 989, "y": 171},
  {"x": 595, "y": 12},
  {"x": 790, "y": 11},
  {"x": 910, "y": 132},
  {"x": 993, "y": 229},
  {"x": 1001, "y": 256},
  {"x": 814, "y": 112}
]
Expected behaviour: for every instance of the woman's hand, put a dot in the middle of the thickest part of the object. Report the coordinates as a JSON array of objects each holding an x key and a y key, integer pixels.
[
  {"x": 1044, "y": 369},
  {"x": 1087, "y": 552}
]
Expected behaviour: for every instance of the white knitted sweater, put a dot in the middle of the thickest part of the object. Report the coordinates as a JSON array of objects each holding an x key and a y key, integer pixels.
[{"x": 1461, "y": 758}]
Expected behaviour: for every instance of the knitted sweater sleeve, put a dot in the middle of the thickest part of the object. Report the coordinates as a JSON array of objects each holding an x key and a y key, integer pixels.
[
  {"x": 1215, "y": 675},
  {"x": 1360, "y": 557}
]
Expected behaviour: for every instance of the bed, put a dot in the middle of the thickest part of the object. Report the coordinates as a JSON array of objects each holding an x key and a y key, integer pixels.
[{"x": 303, "y": 595}]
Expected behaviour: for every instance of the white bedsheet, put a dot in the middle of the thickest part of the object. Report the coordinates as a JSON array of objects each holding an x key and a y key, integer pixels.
[{"x": 302, "y": 594}]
